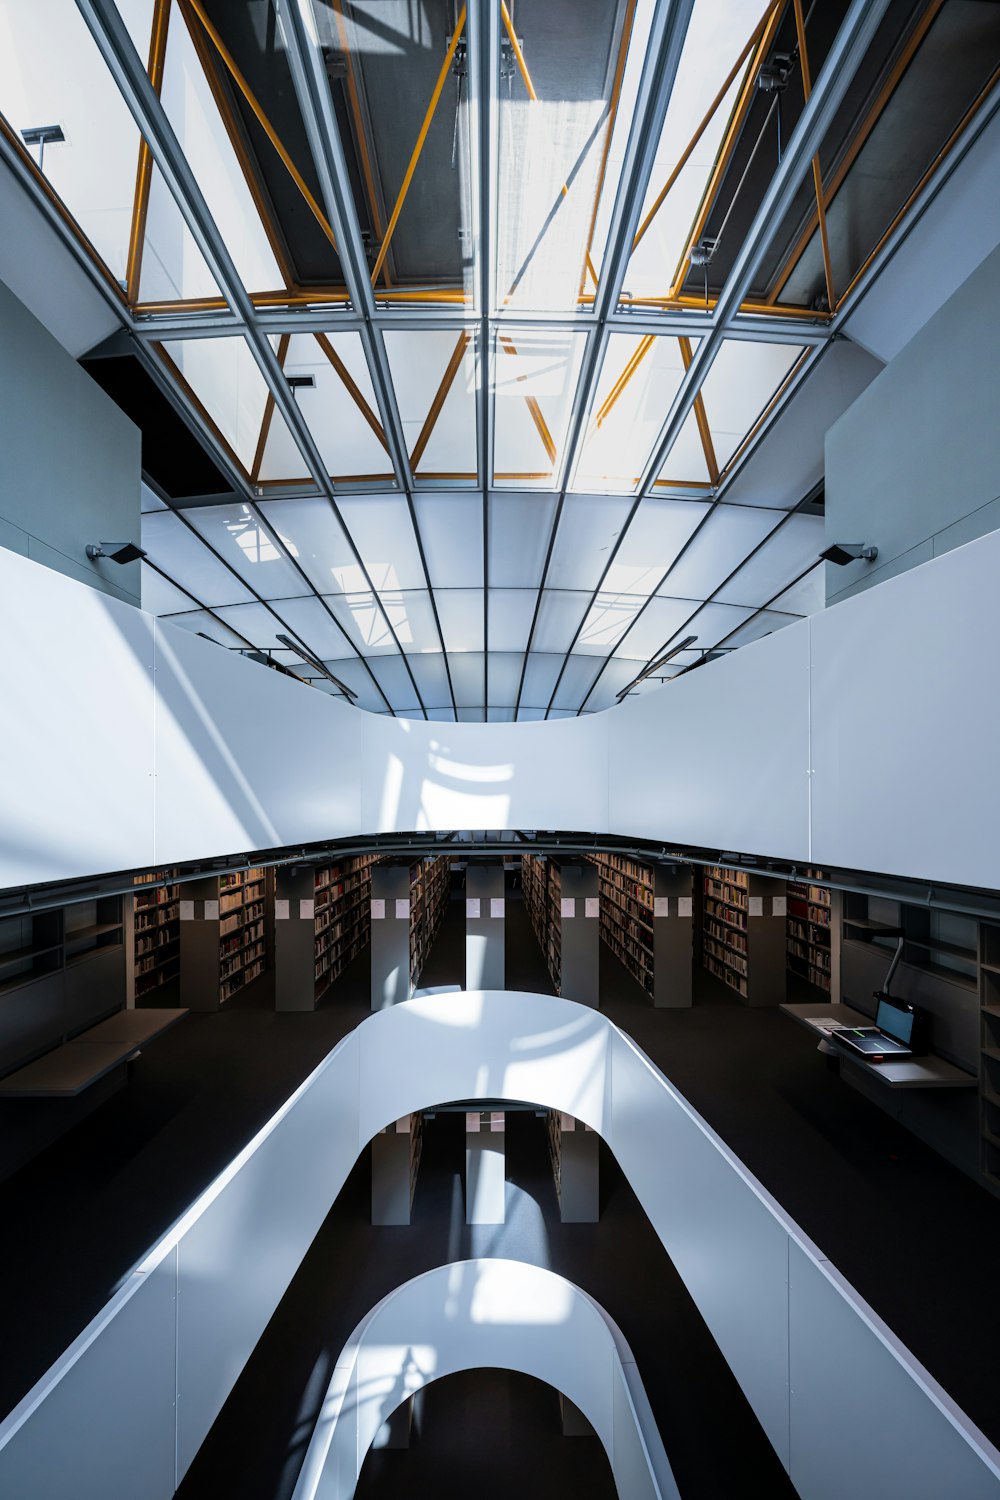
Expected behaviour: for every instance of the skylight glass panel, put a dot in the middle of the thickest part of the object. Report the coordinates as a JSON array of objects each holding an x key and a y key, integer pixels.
[
  {"x": 728, "y": 535},
  {"x": 365, "y": 622},
  {"x": 693, "y": 135},
  {"x": 639, "y": 380},
  {"x": 175, "y": 548},
  {"x": 148, "y": 500},
  {"x": 312, "y": 534},
  {"x": 500, "y": 715},
  {"x": 555, "y": 111},
  {"x": 804, "y": 597},
  {"x": 383, "y": 534},
  {"x": 559, "y": 617},
  {"x": 540, "y": 674},
  {"x": 504, "y": 675},
  {"x": 172, "y": 268},
  {"x": 311, "y": 622},
  {"x": 354, "y": 674},
  {"x": 659, "y": 622},
  {"x": 451, "y": 530},
  {"x": 159, "y": 596},
  {"x": 739, "y": 387},
  {"x": 250, "y": 547},
  {"x": 535, "y": 379},
  {"x": 758, "y": 626},
  {"x": 792, "y": 549},
  {"x": 687, "y": 463},
  {"x": 51, "y": 73},
  {"x": 225, "y": 380},
  {"x": 335, "y": 395},
  {"x": 461, "y": 614},
  {"x": 257, "y": 622},
  {"x": 431, "y": 674},
  {"x": 467, "y": 670},
  {"x": 395, "y": 682},
  {"x": 434, "y": 375},
  {"x": 519, "y": 530},
  {"x": 651, "y": 545},
  {"x": 412, "y": 619},
  {"x": 711, "y": 624},
  {"x": 589, "y": 527},
  {"x": 191, "y": 109},
  {"x": 510, "y": 614},
  {"x": 530, "y": 715},
  {"x": 607, "y": 620},
  {"x": 615, "y": 674}
]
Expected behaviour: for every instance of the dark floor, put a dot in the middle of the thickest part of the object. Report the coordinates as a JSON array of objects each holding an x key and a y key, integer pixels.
[{"x": 913, "y": 1234}]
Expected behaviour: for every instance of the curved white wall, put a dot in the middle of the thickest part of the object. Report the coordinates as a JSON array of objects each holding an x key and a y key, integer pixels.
[
  {"x": 127, "y": 1407},
  {"x": 862, "y": 737},
  {"x": 492, "y": 1314}
]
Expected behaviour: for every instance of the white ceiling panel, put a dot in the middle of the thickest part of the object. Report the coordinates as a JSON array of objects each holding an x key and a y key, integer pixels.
[
  {"x": 451, "y": 530},
  {"x": 616, "y": 674},
  {"x": 249, "y": 547},
  {"x": 650, "y": 546},
  {"x": 519, "y": 527},
  {"x": 312, "y": 535},
  {"x": 461, "y": 615},
  {"x": 510, "y": 614},
  {"x": 658, "y": 623},
  {"x": 789, "y": 552},
  {"x": 202, "y": 623},
  {"x": 430, "y": 670},
  {"x": 712, "y": 623},
  {"x": 312, "y": 624},
  {"x": 589, "y": 527},
  {"x": 759, "y": 625},
  {"x": 740, "y": 384},
  {"x": 606, "y": 621},
  {"x": 254, "y": 621},
  {"x": 540, "y": 677},
  {"x": 729, "y": 534},
  {"x": 527, "y": 715},
  {"x": 355, "y": 675},
  {"x": 576, "y": 682},
  {"x": 364, "y": 622},
  {"x": 382, "y": 531},
  {"x": 177, "y": 550},
  {"x": 559, "y": 617},
  {"x": 504, "y": 675},
  {"x": 394, "y": 680},
  {"x": 412, "y": 618},
  {"x": 806, "y": 596},
  {"x": 467, "y": 675},
  {"x": 159, "y": 597}
]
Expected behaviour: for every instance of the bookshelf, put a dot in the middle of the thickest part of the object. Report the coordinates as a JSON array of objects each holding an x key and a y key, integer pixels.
[
  {"x": 647, "y": 922},
  {"x": 809, "y": 931},
  {"x": 156, "y": 933},
  {"x": 322, "y": 923},
  {"x": 562, "y": 903},
  {"x": 430, "y": 886},
  {"x": 223, "y": 935},
  {"x": 541, "y": 885},
  {"x": 989, "y": 1057},
  {"x": 743, "y": 933}
]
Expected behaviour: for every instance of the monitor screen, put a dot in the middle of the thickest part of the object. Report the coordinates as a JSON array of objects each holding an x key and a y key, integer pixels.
[{"x": 895, "y": 1019}]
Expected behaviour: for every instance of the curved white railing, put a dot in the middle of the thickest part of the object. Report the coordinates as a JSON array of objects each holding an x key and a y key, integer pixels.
[
  {"x": 125, "y": 1409},
  {"x": 499, "y": 1314}
]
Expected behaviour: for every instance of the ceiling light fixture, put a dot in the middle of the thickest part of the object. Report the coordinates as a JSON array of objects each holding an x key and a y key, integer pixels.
[
  {"x": 318, "y": 666},
  {"x": 843, "y": 553},
  {"x": 655, "y": 666},
  {"x": 124, "y": 552},
  {"x": 42, "y": 136}
]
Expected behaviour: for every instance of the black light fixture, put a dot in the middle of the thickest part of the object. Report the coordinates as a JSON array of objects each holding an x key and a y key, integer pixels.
[
  {"x": 42, "y": 136},
  {"x": 124, "y": 552},
  {"x": 301, "y": 383},
  {"x": 843, "y": 553},
  {"x": 318, "y": 666},
  {"x": 655, "y": 666}
]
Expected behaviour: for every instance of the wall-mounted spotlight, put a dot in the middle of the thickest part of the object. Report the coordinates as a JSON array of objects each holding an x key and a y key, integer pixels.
[
  {"x": 318, "y": 666},
  {"x": 42, "y": 136},
  {"x": 843, "y": 553},
  {"x": 119, "y": 552}
]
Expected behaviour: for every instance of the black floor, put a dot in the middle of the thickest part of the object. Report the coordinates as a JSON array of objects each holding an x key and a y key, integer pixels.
[{"x": 913, "y": 1234}]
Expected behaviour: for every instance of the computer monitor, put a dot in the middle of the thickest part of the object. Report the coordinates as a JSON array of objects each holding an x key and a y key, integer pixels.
[{"x": 895, "y": 1018}]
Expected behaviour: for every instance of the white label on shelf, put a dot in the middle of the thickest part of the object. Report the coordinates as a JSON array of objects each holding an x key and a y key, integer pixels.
[
  {"x": 661, "y": 906},
  {"x": 281, "y": 911},
  {"x": 403, "y": 909},
  {"x": 685, "y": 906},
  {"x": 567, "y": 1122},
  {"x": 755, "y": 906},
  {"x": 496, "y": 1121},
  {"x": 378, "y": 911},
  {"x": 472, "y": 906},
  {"x": 591, "y": 906},
  {"x": 211, "y": 911},
  {"x": 307, "y": 908},
  {"x": 403, "y": 1125},
  {"x": 497, "y": 906},
  {"x": 779, "y": 906},
  {"x": 187, "y": 911},
  {"x": 472, "y": 1122},
  {"x": 567, "y": 906}
]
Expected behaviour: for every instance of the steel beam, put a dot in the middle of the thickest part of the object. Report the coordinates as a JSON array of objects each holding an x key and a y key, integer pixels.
[{"x": 849, "y": 47}]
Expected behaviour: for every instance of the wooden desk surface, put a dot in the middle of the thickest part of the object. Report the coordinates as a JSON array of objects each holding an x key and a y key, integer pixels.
[{"x": 908, "y": 1073}]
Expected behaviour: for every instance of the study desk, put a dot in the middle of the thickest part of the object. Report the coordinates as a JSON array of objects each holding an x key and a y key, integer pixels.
[
  {"x": 67, "y": 1070},
  {"x": 926, "y": 1072}
]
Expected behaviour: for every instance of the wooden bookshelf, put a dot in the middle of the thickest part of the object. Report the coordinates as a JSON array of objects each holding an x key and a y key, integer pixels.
[
  {"x": 156, "y": 933},
  {"x": 989, "y": 1057},
  {"x": 541, "y": 885},
  {"x": 430, "y": 886},
  {"x": 223, "y": 930},
  {"x": 322, "y": 923},
  {"x": 647, "y": 922},
  {"x": 743, "y": 933},
  {"x": 808, "y": 932}
]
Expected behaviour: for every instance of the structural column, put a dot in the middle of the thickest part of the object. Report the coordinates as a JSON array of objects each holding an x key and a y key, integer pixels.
[
  {"x": 485, "y": 927},
  {"x": 395, "y": 1162},
  {"x": 574, "y": 1150},
  {"x": 485, "y": 1167},
  {"x": 294, "y": 938},
  {"x": 580, "y": 936},
  {"x": 673, "y": 935},
  {"x": 390, "y": 906}
]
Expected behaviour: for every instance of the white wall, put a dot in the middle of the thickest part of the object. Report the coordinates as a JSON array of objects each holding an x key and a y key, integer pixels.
[
  {"x": 863, "y": 737},
  {"x": 800, "y": 1341},
  {"x": 485, "y": 1314}
]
